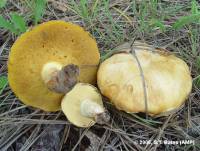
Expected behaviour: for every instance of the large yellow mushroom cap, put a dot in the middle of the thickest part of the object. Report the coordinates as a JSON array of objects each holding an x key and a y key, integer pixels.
[
  {"x": 168, "y": 81},
  {"x": 53, "y": 41}
]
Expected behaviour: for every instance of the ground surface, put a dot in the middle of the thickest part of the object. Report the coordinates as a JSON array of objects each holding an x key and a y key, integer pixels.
[{"x": 111, "y": 23}]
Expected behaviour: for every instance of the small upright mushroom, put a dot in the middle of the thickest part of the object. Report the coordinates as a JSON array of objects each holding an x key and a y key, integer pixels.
[
  {"x": 46, "y": 62},
  {"x": 83, "y": 106},
  {"x": 165, "y": 77}
]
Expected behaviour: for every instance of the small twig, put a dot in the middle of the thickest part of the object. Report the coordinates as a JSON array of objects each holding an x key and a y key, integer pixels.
[
  {"x": 65, "y": 136},
  {"x": 4, "y": 45},
  {"x": 164, "y": 126},
  {"x": 172, "y": 42},
  {"x": 94, "y": 141},
  {"x": 142, "y": 76},
  {"x": 80, "y": 139}
]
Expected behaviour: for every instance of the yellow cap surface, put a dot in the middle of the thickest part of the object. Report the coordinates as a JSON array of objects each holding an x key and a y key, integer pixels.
[
  {"x": 168, "y": 81},
  {"x": 53, "y": 41}
]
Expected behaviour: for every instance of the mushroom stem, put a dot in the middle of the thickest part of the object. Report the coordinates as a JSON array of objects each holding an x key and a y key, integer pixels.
[
  {"x": 92, "y": 109},
  {"x": 59, "y": 78}
]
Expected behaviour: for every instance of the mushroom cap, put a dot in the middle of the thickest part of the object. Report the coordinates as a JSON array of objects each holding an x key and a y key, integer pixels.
[
  {"x": 53, "y": 41},
  {"x": 71, "y": 104},
  {"x": 167, "y": 78}
]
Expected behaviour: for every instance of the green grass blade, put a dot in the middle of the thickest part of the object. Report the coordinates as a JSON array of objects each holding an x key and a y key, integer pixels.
[
  {"x": 39, "y": 10},
  {"x": 150, "y": 122},
  {"x": 185, "y": 20},
  {"x": 95, "y": 8},
  {"x": 3, "y": 3},
  {"x": 18, "y": 22},
  {"x": 194, "y": 8},
  {"x": 75, "y": 7},
  {"x": 7, "y": 25},
  {"x": 197, "y": 81},
  {"x": 158, "y": 23},
  {"x": 84, "y": 9},
  {"x": 3, "y": 83},
  {"x": 198, "y": 62}
]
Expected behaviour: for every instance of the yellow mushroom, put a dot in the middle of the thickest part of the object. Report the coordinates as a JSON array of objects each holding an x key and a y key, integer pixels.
[
  {"x": 167, "y": 80},
  {"x": 83, "y": 106},
  {"x": 47, "y": 61}
]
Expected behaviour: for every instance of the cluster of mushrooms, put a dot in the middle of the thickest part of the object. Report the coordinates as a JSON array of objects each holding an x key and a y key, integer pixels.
[{"x": 55, "y": 66}]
